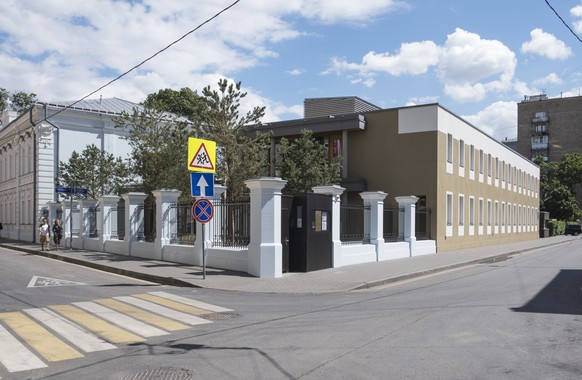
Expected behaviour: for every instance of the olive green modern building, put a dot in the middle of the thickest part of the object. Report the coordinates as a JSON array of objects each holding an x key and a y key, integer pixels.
[{"x": 478, "y": 190}]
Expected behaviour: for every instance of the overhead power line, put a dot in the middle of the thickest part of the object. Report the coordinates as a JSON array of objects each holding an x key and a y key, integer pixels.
[
  {"x": 145, "y": 60},
  {"x": 564, "y": 22}
]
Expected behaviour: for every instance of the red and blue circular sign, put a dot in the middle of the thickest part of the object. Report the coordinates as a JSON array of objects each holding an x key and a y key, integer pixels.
[{"x": 203, "y": 210}]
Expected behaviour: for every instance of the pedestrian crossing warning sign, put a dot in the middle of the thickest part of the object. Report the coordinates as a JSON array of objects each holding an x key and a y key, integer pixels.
[{"x": 201, "y": 155}]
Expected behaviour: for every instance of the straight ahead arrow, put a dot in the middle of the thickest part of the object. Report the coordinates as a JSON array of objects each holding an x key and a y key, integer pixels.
[{"x": 202, "y": 184}]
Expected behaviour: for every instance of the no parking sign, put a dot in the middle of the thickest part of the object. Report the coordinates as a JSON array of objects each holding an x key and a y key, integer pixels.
[{"x": 203, "y": 210}]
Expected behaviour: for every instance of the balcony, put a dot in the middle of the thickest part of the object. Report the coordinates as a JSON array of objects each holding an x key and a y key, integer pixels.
[
  {"x": 539, "y": 145},
  {"x": 540, "y": 119}
]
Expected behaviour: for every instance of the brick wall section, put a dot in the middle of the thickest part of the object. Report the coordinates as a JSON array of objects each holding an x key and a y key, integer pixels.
[{"x": 564, "y": 126}]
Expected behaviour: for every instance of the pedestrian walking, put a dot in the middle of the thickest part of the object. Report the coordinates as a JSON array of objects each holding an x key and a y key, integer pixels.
[
  {"x": 45, "y": 234},
  {"x": 57, "y": 233}
]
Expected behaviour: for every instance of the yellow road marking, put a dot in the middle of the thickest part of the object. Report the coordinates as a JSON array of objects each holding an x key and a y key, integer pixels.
[
  {"x": 142, "y": 315},
  {"x": 104, "y": 329},
  {"x": 172, "y": 304},
  {"x": 39, "y": 338}
]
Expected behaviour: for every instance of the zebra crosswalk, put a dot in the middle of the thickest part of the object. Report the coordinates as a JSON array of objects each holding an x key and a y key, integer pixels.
[{"x": 32, "y": 338}]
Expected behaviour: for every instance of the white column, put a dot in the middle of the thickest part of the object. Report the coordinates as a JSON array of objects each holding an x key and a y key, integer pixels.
[
  {"x": 375, "y": 200},
  {"x": 164, "y": 200},
  {"x": 265, "y": 258},
  {"x": 336, "y": 192},
  {"x": 133, "y": 218},
  {"x": 409, "y": 219},
  {"x": 106, "y": 202},
  {"x": 67, "y": 218}
]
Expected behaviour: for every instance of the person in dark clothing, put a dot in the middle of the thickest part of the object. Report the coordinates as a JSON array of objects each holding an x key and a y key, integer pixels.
[{"x": 57, "y": 233}]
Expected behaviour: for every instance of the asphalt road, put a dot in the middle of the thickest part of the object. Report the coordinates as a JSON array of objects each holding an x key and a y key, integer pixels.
[{"x": 517, "y": 319}]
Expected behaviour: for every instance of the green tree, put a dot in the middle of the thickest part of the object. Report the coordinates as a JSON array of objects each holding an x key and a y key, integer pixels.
[
  {"x": 20, "y": 101},
  {"x": 99, "y": 172},
  {"x": 305, "y": 163},
  {"x": 239, "y": 157},
  {"x": 159, "y": 144},
  {"x": 557, "y": 184},
  {"x": 186, "y": 103}
]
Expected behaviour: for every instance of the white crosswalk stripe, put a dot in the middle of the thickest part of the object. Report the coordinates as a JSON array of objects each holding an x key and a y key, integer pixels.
[
  {"x": 15, "y": 356},
  {"x": 170, "y": 313},
  {"x": 128, "y": 323},
  {"x": 149, "y": 315},
  {"x": 69, "y": 330}
]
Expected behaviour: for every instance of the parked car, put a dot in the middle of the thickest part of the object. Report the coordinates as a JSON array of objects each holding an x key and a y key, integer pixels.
[{"x": 573, "y": 229}]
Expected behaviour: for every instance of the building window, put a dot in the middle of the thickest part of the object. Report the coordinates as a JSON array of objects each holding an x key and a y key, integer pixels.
[
  {"x": 481, "y": 162},
  {"x": 489, "y": 165},
  {"x": 461, "y": 210},
  {"x": 471, "y": 211},
  {"x": 488, "y": 212},
  {"x": 480, "y": 211},
  {"x": 449, "y": 209},
  {"x": 461, "y": 153},
  {"x": 496, "y": 214},
  {"x": 472, "y": 158},
  {"x": 496, "y": 168},
  {"x": 449, "y": 148}
]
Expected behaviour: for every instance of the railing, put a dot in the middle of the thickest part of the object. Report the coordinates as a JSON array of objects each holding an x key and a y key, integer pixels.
[
  {"x": 92, "y": 219},
  {"x": 182, "y": 224},
  {"x": 147, "y": 230},
  {"x": 391, "y": 233},
  {"x": 352, "y": 224},
  {"x": 422, "y": 226},
  {"x": 117, "y": 215},
  {"x": 231, "y": 226}
]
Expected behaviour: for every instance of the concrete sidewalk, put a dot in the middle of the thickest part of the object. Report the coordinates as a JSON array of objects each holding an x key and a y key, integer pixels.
[{"x": 347, "y": 278}]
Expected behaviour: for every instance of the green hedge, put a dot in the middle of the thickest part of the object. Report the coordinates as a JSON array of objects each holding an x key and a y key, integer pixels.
[{"x": 557, "y": 227}]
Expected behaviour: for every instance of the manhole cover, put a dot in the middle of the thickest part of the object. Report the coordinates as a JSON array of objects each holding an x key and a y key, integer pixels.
[
  {"x": 166, "y": 373},
  {"x": 219, "y": 316}
]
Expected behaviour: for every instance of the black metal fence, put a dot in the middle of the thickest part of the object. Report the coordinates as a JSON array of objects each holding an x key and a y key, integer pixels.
[
  {"x": 182, "y": 223},
  {"x": 391, "y": 216},
  {"x": 352, "y": 224},
  {"x": 92, "y": 218},
  {"x": 422, "y": 226},
  {"x": 147, "y": 230},
  {"x": 231, "y": 226},
  {"x": 117, "y": 216}
]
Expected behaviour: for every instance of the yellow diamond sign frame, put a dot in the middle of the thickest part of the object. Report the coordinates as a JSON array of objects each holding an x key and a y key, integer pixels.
[{"x": 201, "y": 155}]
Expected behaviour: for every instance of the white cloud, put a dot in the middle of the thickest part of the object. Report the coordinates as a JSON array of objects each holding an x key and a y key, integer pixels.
[
  {"x": 577, "y": 12},
  {"x": 470, "y": 67},
  {"x": 334, "y": 11},
  {"x": 546, "y": 45},
  {"x": 498, "y": 120},
  {"x": 549, "y": 80},
  {"x": 295, "y": 72}
]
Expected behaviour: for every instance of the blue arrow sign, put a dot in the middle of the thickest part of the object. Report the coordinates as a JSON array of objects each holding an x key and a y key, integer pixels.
[
  {"x": 63, "y": 190},
  {"x": 202, "y": 184}
]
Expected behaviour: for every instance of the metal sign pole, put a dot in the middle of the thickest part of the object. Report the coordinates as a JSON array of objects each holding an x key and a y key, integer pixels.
[
  {"x": 71, "y": 223},
  {"x": 203, "y": 254}
]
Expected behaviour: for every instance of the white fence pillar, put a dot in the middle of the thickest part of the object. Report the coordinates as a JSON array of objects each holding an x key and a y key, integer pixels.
[
  {"x": 375, "y": 218},
  {"x": 409, "y": 219},
  {"x": 133, "y": 217},
  {"x": 335, "y": 191},
  {"x": 165, "y": 198},
  {"x": 265, "y": 258},
  {"x": 107, "y": 203},
  {"x": 69, "y": 223}
]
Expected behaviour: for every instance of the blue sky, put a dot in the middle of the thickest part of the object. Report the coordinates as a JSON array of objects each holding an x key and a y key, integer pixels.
[{"x": 476, "y": 58}]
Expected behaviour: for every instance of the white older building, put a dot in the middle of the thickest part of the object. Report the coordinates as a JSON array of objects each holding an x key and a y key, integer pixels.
[{"x": 31, "y": 146}]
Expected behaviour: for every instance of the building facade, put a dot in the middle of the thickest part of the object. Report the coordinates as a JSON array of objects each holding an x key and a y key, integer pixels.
[
  {"x": 478, "y": 190},
  {"x": 549, "y": 128},
  {"x": 33, "y": 143}
]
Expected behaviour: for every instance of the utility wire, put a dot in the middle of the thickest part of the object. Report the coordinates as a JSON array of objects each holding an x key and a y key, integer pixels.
[
  {"x": 564, "y": 22},
  {"x": 144, "y": 61}
]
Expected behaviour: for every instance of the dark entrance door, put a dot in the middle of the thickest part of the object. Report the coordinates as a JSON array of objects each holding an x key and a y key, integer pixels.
[
  {"x": 311, "y": 246},
  {"x": 286, "y": 203}
]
